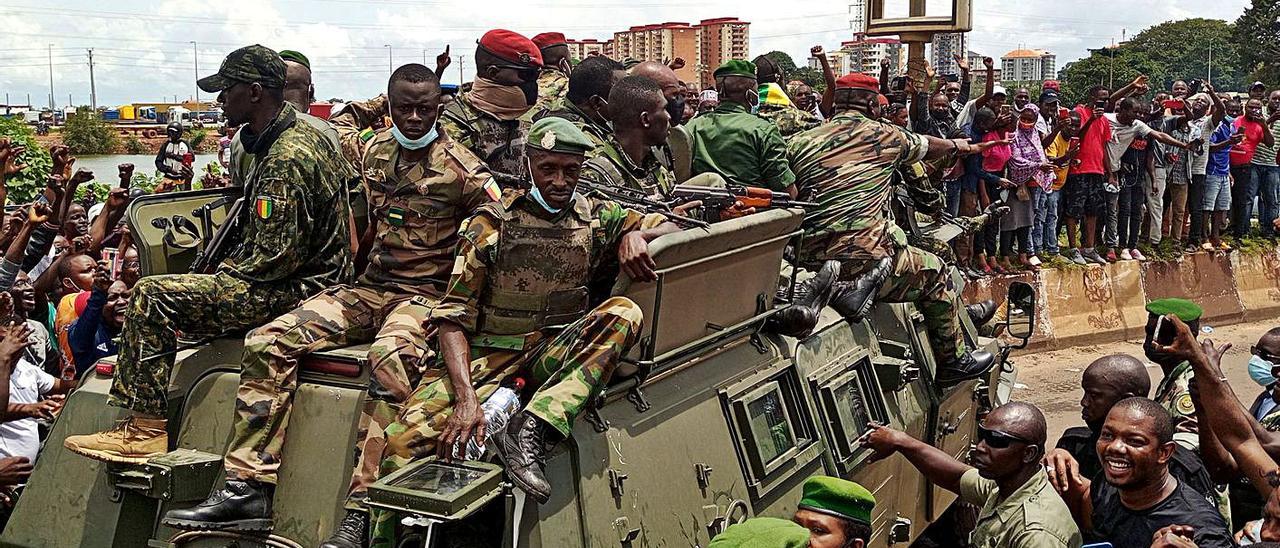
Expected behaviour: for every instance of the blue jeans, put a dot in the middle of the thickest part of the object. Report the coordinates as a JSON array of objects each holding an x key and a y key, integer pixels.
[
  {"x": 953, "y": 196},
  {"x": 1044, "y": 233},
  {"x": 1267, "y": 178}
]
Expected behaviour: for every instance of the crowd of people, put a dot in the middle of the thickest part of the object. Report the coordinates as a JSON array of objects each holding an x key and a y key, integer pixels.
[{"x": 501, "y": 212}]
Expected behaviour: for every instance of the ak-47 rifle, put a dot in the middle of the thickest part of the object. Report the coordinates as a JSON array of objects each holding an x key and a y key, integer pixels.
[
  {"x": 638, "y": 200},
  {"x": 727, "y": 202},
  {"x": 219, "y": 245}
]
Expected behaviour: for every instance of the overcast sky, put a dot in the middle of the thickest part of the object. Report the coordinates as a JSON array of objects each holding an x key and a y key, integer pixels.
[{"x": 142, "y": 48}]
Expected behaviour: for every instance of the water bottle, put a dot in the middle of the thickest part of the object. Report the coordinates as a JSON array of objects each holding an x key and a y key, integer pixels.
[{"x": 498, "y": 409}]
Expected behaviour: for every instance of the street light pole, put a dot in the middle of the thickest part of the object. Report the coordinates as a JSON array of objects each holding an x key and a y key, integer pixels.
[
  {"x": 93, "y": 88},
  {"x": 195, "y": 62},
  {"x": 51, "y": 104}
]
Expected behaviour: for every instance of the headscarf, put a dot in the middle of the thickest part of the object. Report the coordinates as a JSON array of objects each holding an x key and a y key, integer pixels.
[{"x": 1028, "y": 154}]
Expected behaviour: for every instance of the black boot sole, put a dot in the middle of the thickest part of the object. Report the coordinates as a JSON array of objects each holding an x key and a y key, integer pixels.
[{"x": 258, "y": 525}]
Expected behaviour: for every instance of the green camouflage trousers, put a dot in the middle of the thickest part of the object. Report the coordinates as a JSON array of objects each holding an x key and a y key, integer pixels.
[
  {"x": 567, "y": 371},
  {"x": 921, "y": 277},
  {"x": 338, "y": 317},
  {"x": 194, "y": 305}
]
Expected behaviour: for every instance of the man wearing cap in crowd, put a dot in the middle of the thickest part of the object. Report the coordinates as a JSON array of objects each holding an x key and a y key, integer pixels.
[
  {"x": 837, "y": 513},
  {"x": 295, "y": 243},
  {"x": 733, "y": 142},
  {"x": 489, "y": 119},
  {"x": 553, "y": 80},
  {"x": 847, "y": 165},
  {"x": 420, "y": 186},
  {"x": 299, "y": 93},
  {"x": 1019, "y": 508},
  {"x": 775, "y": 105},
  {"x": 1173, "y": 392},
  {"x": 497, "y": 318}
]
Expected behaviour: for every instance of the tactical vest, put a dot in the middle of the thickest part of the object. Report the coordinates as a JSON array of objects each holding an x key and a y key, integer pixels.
[
  {"x": 499, "y": 143},
  {"x": 608, "y": 169},
  {"x": 540, "y": 271}
]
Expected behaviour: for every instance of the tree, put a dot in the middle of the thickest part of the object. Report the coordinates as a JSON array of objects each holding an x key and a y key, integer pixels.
[
  {"x": 1257, "y": 35},
  {"x": 1166, "y": 52},
  {"x": 24, "y": 187},
  {"x": 784, "y": 62},
  {"x": 86, "y": 133},
  {"x": 809, "y": 75}
]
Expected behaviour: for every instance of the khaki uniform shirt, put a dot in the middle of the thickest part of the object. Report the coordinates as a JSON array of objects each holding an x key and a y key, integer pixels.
[{"x": 1034, "y": 516}]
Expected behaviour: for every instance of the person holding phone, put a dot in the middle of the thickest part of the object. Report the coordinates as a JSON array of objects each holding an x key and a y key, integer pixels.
[
  {"x": 1173, "y": 392},
  {"x": 1255, "y": 130}
]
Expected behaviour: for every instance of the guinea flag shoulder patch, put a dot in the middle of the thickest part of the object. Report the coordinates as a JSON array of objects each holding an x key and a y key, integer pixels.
[
  {"x": 264, "y": 207},
  {"x": 493, "y": 190}
]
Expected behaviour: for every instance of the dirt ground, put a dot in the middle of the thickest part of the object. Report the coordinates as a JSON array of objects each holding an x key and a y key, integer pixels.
[{"x": 1051, "y": 379}]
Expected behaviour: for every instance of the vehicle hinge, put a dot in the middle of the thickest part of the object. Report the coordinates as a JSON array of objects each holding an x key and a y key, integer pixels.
[
  {"x": 626, "y": 535},
  {"x": 758, "y": 342},
  {"x": 910, "y": 373},
  {"x": 900, "y": 531},
  {"x": 597, "y": 422},
  {"x": 636, "y": 397},
  {"x": 703, "y": 472},
  {"x": 615, "y": 482}
]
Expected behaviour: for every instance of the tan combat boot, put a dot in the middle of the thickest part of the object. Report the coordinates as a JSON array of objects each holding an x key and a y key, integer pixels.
[{"x": 131, "y": 441}]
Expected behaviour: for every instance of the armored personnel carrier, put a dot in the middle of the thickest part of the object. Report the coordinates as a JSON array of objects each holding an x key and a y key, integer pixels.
[{"x": 711, "y": 420}]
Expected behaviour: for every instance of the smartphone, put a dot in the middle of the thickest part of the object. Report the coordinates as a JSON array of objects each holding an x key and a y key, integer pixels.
[
  {"x": 898, "y": 84},
  {"x": 1193, "y": 87},
  {"x": 1164, "y": 332},
  {"x": 1099, "y": 104}
]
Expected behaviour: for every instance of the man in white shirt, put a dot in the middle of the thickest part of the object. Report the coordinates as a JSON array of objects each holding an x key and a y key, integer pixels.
[{"x": 19, "y": 434}]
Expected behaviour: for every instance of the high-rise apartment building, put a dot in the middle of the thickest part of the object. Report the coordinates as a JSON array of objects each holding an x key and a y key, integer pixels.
[
  {"x": 704, "y": 46},
  {"x": 719, "y": 40},
  {"x": 1028, "y": 65},
  {"x": 943, "y": 51},
  {"x": 581, "y": 49}
]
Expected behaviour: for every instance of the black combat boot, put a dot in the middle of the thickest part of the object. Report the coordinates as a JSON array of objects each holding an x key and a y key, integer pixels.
[
  {"x": 353, "y": 532},
  {"x": 853, "y": 299},
  {"x": 982, "y": 312},
  {"x": 238, "y": 506},
  {"x": 969, "y": 366},
  {"x": 523, "y": 449},
  {"x": 799, "y": 319}
]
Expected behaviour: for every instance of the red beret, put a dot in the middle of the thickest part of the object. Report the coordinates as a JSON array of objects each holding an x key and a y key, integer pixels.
[
  {"x": 1052, "y": 84},
  {"x": 550, "y": 39},
  {"x": 884, "y": 101},
  {"x": 858, "y": 80},
  {"x": 512, "y": 47}
]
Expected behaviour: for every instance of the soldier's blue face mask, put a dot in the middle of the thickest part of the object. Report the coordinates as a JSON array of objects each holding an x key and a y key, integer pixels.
[
  {"x": 414, "y": 144},
  {"x": 1260, "y": 371}
]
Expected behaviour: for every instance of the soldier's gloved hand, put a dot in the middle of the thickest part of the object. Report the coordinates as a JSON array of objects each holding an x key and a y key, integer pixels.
[{"x": 996, "y": 210}]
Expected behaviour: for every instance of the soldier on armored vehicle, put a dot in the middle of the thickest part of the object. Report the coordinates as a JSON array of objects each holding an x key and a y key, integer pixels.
[
  {"x": 295, "y": 243},
  {"x": 420, "y": 184},
  {"x": 847, "y": 166}
]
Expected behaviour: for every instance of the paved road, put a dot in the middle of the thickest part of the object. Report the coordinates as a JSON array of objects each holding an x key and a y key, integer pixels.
[{"x": 1051, "y": 379}]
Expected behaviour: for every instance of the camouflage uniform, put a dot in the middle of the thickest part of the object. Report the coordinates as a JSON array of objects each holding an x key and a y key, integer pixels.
[
  {"x": 498, "y": 143},
  {"x": 242, "y": 164},
  {"x": 847, "y": 165},
  {"x": 609, "y": 165},
  {"x": 1174, "y": 394},
  {"x": 552, "y": 87},
  {"x": 295, "y": 243},
  {"x": 500, "y": 278},
  {"x": 415, "y": 211},
  {"x": 789, "y": 119}
]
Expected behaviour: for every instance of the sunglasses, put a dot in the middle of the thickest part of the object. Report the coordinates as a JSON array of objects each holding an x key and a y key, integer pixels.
[
  {"x": 997, "y": 439},
  {"x": 1264, "y": 354},
  {"x": 525, "y": 73}
]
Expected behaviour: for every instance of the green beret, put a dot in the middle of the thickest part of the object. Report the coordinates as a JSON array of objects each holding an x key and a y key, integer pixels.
[
  {"x": 1185, "y": 310},
  {"x": 295, "y": 56},
  {"x": 737, "y": 67},
  {"x": 762, "y": 533},
  {"x": 838, "y": 497},
  {"x": 555, "y": 134}
]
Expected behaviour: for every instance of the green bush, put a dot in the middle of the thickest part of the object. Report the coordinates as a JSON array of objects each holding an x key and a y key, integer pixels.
[
  {"x": 196, "y": 137},
  {"x": 24, "y": 187},
  {"x": 86, "y": 133},
  {"x": 133, "y": 145}
]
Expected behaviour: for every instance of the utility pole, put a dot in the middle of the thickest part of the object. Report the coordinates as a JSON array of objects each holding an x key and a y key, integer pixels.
[
  {"x": 1210, "y": 63},
  {"x": 389, "y": 70},
  {"x": 424, "y": 57},
  {"x": 51, "y": 105},
  {"x": 195, "y": 61},
  {"x": 93, "y": 88},
  {"x": 461, "y": 61}
]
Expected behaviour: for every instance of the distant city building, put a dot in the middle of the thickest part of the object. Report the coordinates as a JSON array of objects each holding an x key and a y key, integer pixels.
[
  {"x": 1028, "y": 65},
  {"x": 979, "y": 71},
  {"x": 942, "y": 52},
  {"x": 842, "y": 62},
  {"x": 581, "y": 49},
  {"x": 719, "y": 40},
  {"x": 858, "y": 16},
  {"x": 864, "y": 54}
]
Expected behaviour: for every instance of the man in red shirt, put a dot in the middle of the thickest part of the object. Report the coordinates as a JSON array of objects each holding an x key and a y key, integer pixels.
[
  {"x": 1244, "y": 188},
  {"x": 1084, "y": 196}
]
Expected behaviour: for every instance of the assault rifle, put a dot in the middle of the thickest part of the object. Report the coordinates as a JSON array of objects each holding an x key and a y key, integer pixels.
[
  {"x": 639, "y": 200},
  {"x": 727, "y": 202},
  {"x": 218, "y": 246}
]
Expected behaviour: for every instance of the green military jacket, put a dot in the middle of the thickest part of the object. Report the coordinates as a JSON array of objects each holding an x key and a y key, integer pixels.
[
  {"x": 414, "y": 209},
  {"x": 743, "y": 148},
  {"x": 295, "y": 232},
  {"x": 789, "y": 119},
  {"x": 610, "y": 165},
  {"x": 498, "y": 143},
  {"x": 242, "y": 163},
  {"x": 1034, "y": 516}
]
